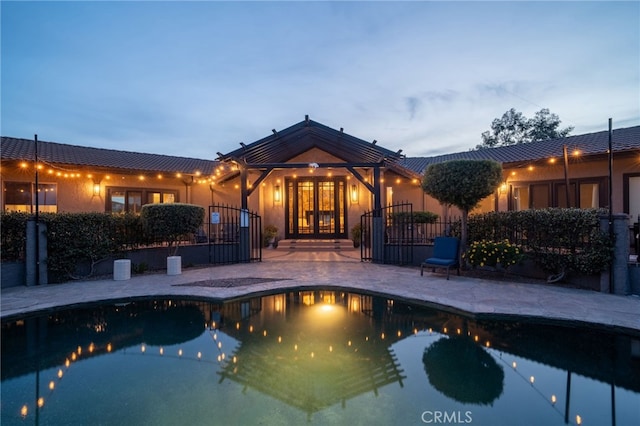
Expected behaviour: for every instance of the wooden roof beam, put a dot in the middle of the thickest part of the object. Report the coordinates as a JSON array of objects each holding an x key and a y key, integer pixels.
[
  {"x": 258, "y": 181},
  {"x": 306, "y": 165},
  {"x": 358, "y": 176}
]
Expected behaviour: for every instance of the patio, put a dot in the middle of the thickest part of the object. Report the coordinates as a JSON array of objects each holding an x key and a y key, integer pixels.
[{"x": 288, "y": 269}]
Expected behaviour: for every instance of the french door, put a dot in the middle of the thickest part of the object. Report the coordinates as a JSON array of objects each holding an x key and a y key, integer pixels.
[{"x": 315, "y": 207}]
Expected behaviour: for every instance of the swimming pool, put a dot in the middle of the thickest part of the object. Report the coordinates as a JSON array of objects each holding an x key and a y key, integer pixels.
[{"x": 311, "y": 356}]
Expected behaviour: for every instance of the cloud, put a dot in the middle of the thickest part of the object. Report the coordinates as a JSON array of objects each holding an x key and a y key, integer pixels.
[
  {"x": 413, "y": 103},
  {"x": 198, "y": 77}
]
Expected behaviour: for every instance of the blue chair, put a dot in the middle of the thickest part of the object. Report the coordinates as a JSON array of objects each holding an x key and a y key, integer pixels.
[{"x": 445, "y": 255}]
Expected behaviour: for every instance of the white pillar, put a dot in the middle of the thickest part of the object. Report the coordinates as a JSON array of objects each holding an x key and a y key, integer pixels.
[
  {"x": 121, "y": 269},
  {"x": 174, "y": 265}
]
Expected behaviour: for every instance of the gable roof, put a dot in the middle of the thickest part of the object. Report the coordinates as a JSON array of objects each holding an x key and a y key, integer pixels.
[
  {"x": 73, "y": 155},
  {"x": 286, "y": 144},
  {"x": 590, "y": 144}
]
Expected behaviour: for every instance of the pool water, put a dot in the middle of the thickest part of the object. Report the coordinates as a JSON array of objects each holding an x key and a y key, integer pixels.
[{"x": 313, "y": 356}]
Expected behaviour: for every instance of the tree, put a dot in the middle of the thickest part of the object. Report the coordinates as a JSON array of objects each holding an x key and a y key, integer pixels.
[
  {"x": 462, "y": 183},
  {"x": 514, "y": 128},
  {"x": 545, "y": 125}
]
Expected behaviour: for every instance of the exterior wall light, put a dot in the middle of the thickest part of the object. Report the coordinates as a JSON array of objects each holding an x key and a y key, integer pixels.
[
  {"x": 277, "y": 195},
  {"x": 355, "y": 199}
]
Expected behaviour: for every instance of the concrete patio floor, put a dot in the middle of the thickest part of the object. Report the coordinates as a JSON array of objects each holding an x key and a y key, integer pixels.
[{"x": 343, "y": 270}]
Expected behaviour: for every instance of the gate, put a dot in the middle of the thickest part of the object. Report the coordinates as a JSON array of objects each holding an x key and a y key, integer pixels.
[
  {"x": 388, "y": 235},
  {"x": 234, "y": 235}
]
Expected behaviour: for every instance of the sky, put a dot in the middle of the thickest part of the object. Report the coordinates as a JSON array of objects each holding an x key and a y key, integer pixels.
[{"x": 195, "y": 78}]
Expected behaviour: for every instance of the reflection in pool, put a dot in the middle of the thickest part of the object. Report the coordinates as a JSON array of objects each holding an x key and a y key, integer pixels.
[{"x": 321, "y": 357}]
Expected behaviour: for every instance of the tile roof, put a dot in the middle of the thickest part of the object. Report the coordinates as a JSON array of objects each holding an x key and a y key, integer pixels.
[
  {"x": 57, "y": 153},
  {"x": 305, "y": 135},
  {"x": 625, "y": 139}
]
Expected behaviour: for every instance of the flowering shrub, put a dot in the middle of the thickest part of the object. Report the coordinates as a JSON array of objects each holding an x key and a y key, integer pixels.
[{"x": 492, "y": 253}]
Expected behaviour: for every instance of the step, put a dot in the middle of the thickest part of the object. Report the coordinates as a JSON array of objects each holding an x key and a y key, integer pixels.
[{"x": 315, "y": 245}]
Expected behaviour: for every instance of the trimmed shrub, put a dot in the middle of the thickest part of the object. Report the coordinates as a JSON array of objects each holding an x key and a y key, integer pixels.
[
  {"x": 13, "y": 235},
  {"x": 75, "y": 239},
  {"x": 418, "y": 217},
  {"x": 168, "y": 223}
]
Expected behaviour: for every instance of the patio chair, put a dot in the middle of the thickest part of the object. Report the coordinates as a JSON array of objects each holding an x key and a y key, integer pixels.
[{"x": 445, "y": 255}]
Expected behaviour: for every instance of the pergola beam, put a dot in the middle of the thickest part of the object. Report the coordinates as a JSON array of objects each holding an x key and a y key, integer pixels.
[{"x": 307, "y": 165}]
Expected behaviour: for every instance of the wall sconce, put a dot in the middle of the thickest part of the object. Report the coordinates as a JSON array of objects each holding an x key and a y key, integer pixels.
[
  {"x": 503, "y": 188},
  {"x": 354, "y": 194},
  {"x": 277, "y": 195},
  {"x": 96, "y": 189}
]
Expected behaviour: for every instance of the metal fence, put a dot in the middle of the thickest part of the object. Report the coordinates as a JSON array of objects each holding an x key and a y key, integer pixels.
[
  {"x": 388, "y": 234},
  {"x": 395, "y": 229},
  {"x": 234, "y": 235}
]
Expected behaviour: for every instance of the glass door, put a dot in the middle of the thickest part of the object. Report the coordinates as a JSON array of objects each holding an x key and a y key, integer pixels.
[{"x": 315, "y": 208}]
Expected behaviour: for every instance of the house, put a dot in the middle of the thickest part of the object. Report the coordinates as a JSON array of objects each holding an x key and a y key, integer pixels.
[
  {"x": 536, "y": 174},
  {"x": 312, "y": 181}
]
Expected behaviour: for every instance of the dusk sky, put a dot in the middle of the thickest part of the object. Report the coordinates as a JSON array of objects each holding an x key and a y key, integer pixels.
[{"x": 195, "y": 78}]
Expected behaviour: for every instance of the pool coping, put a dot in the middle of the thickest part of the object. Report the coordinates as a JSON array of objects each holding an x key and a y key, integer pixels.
[{"x": 469, "y": 296}]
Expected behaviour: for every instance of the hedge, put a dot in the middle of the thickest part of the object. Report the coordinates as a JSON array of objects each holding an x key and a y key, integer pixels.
[{"x": 557, "y": 239}]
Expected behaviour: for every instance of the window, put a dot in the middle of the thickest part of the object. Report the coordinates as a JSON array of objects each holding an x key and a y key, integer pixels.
[
  {"x": 520, "y": 198},
  {"x": 631, "y": 195},
  {"x": 561, "y": 195},
  {"x": 18, "y": 197},
  {"x": 161, "y": 197},
  {"x": 131, "y": 200},
  {"x": 134, "y": 201},
  {"x": 540, "y": 196},
  {"x": 589, "y": 195},
  {"x": 587, "y": 192}
]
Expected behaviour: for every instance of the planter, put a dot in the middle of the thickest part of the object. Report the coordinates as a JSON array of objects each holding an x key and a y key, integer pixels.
[{"x": 174, "y": 265}]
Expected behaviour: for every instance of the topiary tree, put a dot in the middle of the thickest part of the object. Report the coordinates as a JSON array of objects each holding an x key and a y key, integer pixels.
[
  {"x": 170, "y": 222},
  {"x": 462, "y": 183}
]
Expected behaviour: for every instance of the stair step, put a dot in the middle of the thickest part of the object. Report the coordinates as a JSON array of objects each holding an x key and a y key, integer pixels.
[{"x": 316, "y": 245}]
